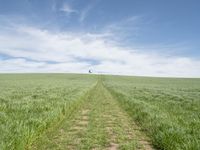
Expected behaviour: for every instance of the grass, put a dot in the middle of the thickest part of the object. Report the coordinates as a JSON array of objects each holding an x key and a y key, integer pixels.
[
  {"x": 167, "y": 109},
  {"x": 59, "y": 111},
  {"x": 99, "y": 124},
  {"x": 31, "y": 103}
]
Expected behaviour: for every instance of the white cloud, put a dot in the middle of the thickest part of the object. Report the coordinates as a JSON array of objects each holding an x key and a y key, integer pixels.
[
  {"x": 82, "y": 14},
  {"x": 85, "y": 12},
  {"x": 68, "y": 9},
  {"x": 21, "y": 65},
  {"x": 31, "y": 49}
]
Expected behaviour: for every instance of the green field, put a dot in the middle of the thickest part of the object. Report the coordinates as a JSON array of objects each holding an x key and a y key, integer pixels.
[
  {"x": 72, "y": 111},
  {"x": 167, "y": 109}
]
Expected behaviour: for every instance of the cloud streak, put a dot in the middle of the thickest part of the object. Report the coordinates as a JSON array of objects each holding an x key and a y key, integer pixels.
[
  {"x": 68, "y": 9},
  {"x": 85, "y": 12}
]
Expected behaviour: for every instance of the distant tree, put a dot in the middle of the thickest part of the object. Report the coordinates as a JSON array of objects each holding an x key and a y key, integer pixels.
[{"x": 90, "y": 71}]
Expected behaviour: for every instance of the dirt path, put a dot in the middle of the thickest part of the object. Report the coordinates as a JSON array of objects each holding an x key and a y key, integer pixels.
[{"x": 99, "y": 124}]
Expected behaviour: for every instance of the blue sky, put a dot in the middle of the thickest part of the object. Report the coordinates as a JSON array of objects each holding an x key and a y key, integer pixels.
[{"x": 131, "y": 37}]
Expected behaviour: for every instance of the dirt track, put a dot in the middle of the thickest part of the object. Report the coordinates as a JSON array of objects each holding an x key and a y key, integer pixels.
[{"x": 99, "y": 124}]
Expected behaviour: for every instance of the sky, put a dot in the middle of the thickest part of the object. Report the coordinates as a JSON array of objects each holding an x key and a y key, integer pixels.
[{"x": 122, "y": 37}]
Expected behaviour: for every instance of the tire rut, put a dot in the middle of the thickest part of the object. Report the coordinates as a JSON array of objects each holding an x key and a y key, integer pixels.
[{"x": 100, "y": 124}]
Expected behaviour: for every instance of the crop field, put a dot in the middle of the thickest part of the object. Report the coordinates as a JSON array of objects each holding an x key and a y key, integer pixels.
[{"x": 91, "y": 112}]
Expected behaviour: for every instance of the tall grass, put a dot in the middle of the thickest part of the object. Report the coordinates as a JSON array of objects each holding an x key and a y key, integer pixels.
[
  {"x": 31, "y": 103},
  {"x": 167, "y": 109}
]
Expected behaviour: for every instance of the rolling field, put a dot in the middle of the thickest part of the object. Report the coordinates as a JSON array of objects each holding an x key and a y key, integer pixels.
[
  {"x": 71, "y": 111},
  {"x": 167, "y": 109}
]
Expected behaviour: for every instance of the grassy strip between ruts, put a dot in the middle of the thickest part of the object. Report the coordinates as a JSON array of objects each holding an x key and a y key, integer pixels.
[{"x": 67, "y": 113}]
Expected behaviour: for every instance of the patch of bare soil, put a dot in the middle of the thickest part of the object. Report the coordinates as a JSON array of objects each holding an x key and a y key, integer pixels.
[{"x": 113, "y": 146}]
